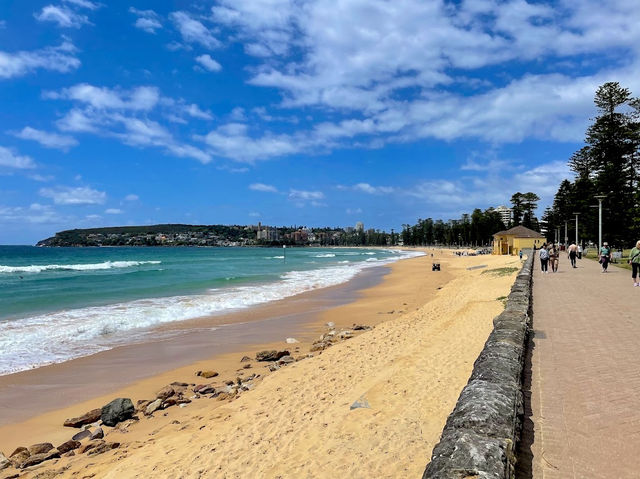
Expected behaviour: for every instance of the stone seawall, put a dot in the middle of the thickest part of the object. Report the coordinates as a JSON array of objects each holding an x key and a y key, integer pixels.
[{"x": 480, "y": 437}]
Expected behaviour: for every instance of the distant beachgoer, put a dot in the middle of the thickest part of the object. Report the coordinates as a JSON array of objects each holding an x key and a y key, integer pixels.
[
  {"x": 544, "y": 258},
  {"x": 520, "y": 254},
  {"x": 573, "y": 252},
  {"x": 579, "y": 252},
  {"x": 554, "y": 257},
  {"x": 605, "y": 256},
  {"x": 634, "y": 261}
]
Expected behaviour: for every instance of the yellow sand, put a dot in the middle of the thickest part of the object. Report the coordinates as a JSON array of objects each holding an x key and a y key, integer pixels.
[{"x": 297, "y": 423}]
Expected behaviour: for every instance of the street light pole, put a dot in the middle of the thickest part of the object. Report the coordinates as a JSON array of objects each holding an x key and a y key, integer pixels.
[
  {"x": 600, "y": 198},
  {"x": 576, "y": 227},
  {"x": 566, "y": 238}
]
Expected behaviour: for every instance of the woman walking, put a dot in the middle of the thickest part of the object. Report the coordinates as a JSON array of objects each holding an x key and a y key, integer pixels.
[
  {"x": 554, "y": 257},
  {"x": 544, "y": 258},
  {"x": 634, "y": 260}
]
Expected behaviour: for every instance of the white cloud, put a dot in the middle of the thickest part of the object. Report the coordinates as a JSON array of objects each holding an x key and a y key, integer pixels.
[
  {"x": 254, "y": 214},
  {"x": 353, "y": 211},
  {"x": 193, "y": 31},
  {"x": 148, "y": 20},
  {"x": 84, "y": 4},
  {"x": 373, "y": 190},
  {"x": 61, "y": 59},
  {"x": 113, "y": 211},
  {"x": 123, "y": 114},
  {"x": 47, "y": 139},
  {"x": 407, "y": 87},
  {"x": 209, "y": 63},
  {"x": 131, "y": 197},
  {"x": 8, "y": 159},
  {"x": 63, "y": 16},
  {"x": 263, "y": 187},
  {"x": 139, "y": 98},
  {"x": 33, "y": 214},
  {"x": 67, "y": 195},
  {"x": 194, "y": 111},
  {"x": 305, "y": 195},
  {"x": 488, "y": 188},
  {"x": 41, "y": 178},
  {"x": 233, "y": 141}
]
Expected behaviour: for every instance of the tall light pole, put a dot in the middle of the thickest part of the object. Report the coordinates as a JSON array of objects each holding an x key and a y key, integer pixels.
[
  {"x": 576, "y": 227},
  {"x": 600, "y": 198},
  {"x": 566, "y": 238}
]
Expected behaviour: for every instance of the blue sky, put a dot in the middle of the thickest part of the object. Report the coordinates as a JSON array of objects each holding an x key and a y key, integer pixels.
[{"x": 317, "y": 113}]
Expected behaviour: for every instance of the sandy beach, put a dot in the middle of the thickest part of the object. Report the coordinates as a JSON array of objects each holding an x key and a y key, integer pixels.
[{"x": 297, "y": 421}]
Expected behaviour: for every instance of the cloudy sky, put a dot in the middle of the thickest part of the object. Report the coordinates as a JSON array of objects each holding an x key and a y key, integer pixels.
[{"x": 317, "y": 113}]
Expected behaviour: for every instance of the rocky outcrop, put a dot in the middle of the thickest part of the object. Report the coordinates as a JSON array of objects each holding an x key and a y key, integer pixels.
[
  {"x": 480, "y": 437},
  {"x": 117, "y": 411}
]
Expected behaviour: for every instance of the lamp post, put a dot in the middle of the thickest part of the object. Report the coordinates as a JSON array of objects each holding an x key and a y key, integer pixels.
[
  {"x": 600, "y": 198},
  {"x": 576, "y": 227},
  {"x": 566, "y": 238}
]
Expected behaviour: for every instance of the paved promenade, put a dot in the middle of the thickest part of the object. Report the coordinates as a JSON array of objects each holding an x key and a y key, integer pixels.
[{"x": 585, "y": 373}]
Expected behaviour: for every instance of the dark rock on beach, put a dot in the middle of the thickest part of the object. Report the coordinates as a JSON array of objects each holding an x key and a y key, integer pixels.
[
  {"x": 207, "y": 374},
  {"x": 97, "y": 434},
  {"x": 102, "y": 448},
  {"x": 41, "y": 457},
  {"x": 18, "y": 456},
  {"x": 86, "y": 418},
  {"x": 68, "y": 446},
  {"x": 117, "y": 411},
  {"x": 40, "y": 448},
  {"x": 272, "y": 355},
  {"x": 165, "y": 392}
]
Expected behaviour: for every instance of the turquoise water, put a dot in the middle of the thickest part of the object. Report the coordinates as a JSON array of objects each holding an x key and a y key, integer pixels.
[{"x": 61, "y": 303}]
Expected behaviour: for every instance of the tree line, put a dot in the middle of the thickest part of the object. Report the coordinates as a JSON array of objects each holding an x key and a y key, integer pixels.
[{"x": 608, "y": 165}]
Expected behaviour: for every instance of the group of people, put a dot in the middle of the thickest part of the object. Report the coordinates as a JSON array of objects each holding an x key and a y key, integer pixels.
[{"x": 550, "y": 255}]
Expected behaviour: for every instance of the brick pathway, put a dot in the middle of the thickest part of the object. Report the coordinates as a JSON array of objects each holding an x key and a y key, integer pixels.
[{"x": 585, "y": 373}]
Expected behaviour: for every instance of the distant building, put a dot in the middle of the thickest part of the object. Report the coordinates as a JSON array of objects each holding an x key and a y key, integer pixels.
[
  {"x": 359, "y": 226},
  {"x": 515, "y": 239},
  {"x": 506, "y": 214}
]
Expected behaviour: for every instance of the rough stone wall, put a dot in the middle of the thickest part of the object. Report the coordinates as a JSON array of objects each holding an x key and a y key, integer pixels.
[{"x": 480, "y": 437}]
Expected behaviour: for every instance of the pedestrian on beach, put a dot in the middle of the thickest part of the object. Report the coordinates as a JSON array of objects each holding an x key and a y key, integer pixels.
[
  {"x": 521, "y": 255},
  {"x": 634, "y": 261},
  {"x": 554, "y": 257},
  {"x": 573, "y": 253},
  {"x": 544, "y": 258},
  {"x": 605, "y": 256}
]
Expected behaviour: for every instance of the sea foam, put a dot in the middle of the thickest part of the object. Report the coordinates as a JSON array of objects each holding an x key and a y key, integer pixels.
[
  {"x": 38, "y": 268},
  {"x": 56, "y": 337}
]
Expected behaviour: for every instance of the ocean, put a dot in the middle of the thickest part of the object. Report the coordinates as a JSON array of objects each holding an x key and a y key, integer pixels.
[{"x": 57, "y": 304}]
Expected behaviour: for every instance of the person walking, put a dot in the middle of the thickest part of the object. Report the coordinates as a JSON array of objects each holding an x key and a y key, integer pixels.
[
  {"x": 573, "y": 252},
  {"x": 544, "y": 258},
  {"x": 634, "y": 261},
  {"x": 554, "y": 257},
  {"x": 605, "y": 256},
  {"x": 579, "y": 251}
]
